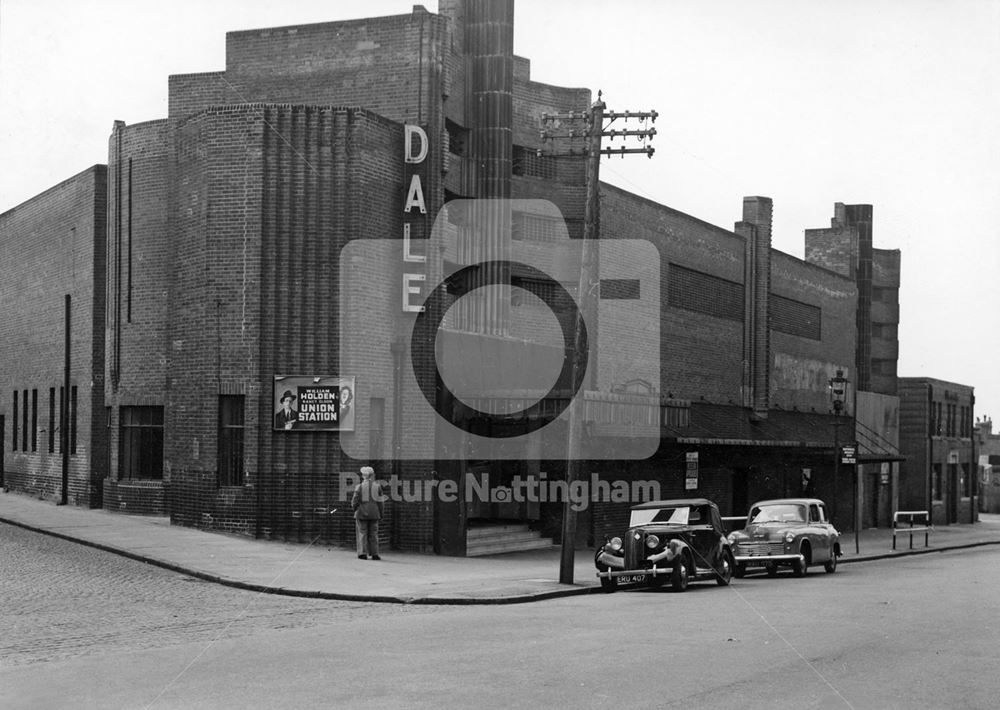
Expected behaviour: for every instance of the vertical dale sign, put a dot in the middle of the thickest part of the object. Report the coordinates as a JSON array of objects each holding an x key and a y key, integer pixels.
[{"x": 414, "y": 198}]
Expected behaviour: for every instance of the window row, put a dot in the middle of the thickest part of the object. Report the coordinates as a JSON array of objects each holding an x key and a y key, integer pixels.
[
  {"x": 950, "y": 420},
  {"x": 27, "y": 422},
  {"x": 140, "y": 442}
]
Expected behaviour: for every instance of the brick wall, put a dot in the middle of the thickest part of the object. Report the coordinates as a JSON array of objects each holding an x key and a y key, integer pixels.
[
  {"x": 927, "y": 440},
  {"x": 51, "y": 246},
  {"x": 701, "y": 355},
  {"x": 384, "y": 64},
  {"x": 268, "y": 196},
  {"x": 138, "y": 265},
  {"x": 801, "y": 366}
]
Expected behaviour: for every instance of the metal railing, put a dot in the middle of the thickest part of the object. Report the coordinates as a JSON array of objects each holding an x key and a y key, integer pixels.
[{"x": 911, "y": 517}]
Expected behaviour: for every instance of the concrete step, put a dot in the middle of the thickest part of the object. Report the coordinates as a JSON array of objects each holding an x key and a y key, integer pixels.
[
  {"x": 498, "y": 539},
  {"x": 500, "y": 548},
  {"x": 486, "y": 532}
]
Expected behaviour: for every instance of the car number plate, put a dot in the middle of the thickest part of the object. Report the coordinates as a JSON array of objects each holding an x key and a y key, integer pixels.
[{"x": 631, "y": 578}]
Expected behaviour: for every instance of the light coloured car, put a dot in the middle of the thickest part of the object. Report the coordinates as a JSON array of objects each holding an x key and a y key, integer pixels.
[{"x": 791, "y": 532}]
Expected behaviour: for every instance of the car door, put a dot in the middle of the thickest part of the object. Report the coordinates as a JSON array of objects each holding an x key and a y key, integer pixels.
[
  {"x": 819, "y": 534},
  {"x": 704, "y": 537}
]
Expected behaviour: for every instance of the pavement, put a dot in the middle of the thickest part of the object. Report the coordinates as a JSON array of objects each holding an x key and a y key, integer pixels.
[{"x": 319, "y": 571}]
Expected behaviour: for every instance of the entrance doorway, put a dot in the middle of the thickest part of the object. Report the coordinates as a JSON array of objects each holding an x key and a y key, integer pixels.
[
  {"x": 491, "y": 496},
  {"x": 952, "y": 493},
  {"x": 741, "y": 491}
]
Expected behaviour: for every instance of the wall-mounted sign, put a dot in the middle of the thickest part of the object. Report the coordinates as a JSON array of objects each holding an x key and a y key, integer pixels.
[
  {"x": 415, "y": 150},
  {"x": 691, "y": 471},
  {"x": 849, "y": 454},
  {"x": 313, "y": 403}
]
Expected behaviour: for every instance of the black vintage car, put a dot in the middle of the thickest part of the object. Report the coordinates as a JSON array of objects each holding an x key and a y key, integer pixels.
[{"x": 676, "y": 540}]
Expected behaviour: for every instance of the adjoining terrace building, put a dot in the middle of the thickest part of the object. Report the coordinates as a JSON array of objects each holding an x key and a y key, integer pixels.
[
  {"x": 250, "y": 244},
  {"x": 987, "y": 447},
  {"x": 936, "y": 437}
]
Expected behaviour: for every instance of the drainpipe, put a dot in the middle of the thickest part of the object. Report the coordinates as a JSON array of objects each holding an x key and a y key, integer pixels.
[
  {"x": 928, "y": 463},
  {"x": 64, "y": 415},
  {"x": 973, "y": 463}
]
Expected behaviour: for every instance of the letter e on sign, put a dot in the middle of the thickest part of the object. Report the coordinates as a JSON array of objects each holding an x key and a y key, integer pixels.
[{"x": 408, "y": 289}]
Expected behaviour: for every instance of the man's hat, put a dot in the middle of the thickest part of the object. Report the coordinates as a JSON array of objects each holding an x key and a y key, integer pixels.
[{"x": 286, "y": 395}]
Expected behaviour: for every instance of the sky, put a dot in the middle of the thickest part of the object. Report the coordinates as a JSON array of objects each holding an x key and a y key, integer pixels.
[{"x": 893, "y": 103}]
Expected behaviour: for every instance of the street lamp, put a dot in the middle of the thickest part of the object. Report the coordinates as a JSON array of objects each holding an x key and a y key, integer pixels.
[{"x": 838, "y": 394}]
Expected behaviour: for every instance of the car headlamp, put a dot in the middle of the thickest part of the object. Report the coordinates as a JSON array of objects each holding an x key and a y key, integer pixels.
[
  {"x": 615, "y": 543},
  {"x": 789, "y": 537},
  {"x": 652, "y": 541}
]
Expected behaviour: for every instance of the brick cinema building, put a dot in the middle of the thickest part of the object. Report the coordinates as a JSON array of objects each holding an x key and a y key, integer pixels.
[{"x": 280, "y": 231}]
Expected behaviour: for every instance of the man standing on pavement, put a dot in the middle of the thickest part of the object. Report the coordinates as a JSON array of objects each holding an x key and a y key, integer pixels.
[{"x": 367, "y": 506}]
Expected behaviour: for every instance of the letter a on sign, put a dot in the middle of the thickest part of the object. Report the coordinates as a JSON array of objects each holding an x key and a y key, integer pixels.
[{"x": 415, "y": 196}]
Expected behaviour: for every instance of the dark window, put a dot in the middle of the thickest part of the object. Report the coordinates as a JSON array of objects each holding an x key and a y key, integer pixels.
[
  {"x": 52, "y": 419},
  {"x": 536, "y": 227},
  {"x": 885, "y": 331},
  {"x": 457, "y": 138},
  {"x": 34, "y": 420},
  {"x": 72, "y": 421},
  {"x": 231, "y": 423},
  {"x": 703, "y": 293},
  {"x": 529, "y": 163},
  {"x": 24, "y": 420},
  {"x": 128, "y": 293},
  {"x": 141, "y": 443},
  {"x": 544, "y": 290},
  {"x": 936, "y": 482},
  {"x": 884, "y": 295},
  {"x": 620, "y": 288},
  {"x": 886, "y": 368},
  {"x": 795, "y": 318},
  {"x": 62, "y": 420},
  {"x": 13, "y": 441}
]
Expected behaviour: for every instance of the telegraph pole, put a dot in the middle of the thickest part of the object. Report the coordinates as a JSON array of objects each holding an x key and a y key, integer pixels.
[{"x": 590, "y": 126}]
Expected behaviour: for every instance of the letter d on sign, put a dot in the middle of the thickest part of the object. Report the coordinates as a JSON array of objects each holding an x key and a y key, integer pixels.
[{"x": 410, "y": 132}]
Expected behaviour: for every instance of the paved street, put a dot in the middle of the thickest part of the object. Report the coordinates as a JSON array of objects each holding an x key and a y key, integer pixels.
[
  {"x": 86, "y": 629},
  {"x": 60, "y": 600}
]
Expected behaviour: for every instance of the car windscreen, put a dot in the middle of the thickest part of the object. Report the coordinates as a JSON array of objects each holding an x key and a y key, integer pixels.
[
  {"x": 781, "y": 513},
  {"x": 674, "y": 516}
]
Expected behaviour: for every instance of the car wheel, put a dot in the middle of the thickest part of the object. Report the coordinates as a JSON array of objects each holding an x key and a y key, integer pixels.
[
  {"x": 725, "y": 573},
  {"x": 801, "y": 566},
  {"x": 771, "y": 569},
  {"x": 680, "y": 577},
  {"x": 740, "y": 570},
  {"x": 608, "y": 584},
  {"x": 831, "y": 565}
]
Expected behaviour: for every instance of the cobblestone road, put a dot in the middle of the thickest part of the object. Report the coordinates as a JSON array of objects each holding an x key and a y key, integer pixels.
[{"x": 60, "y": 599}]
